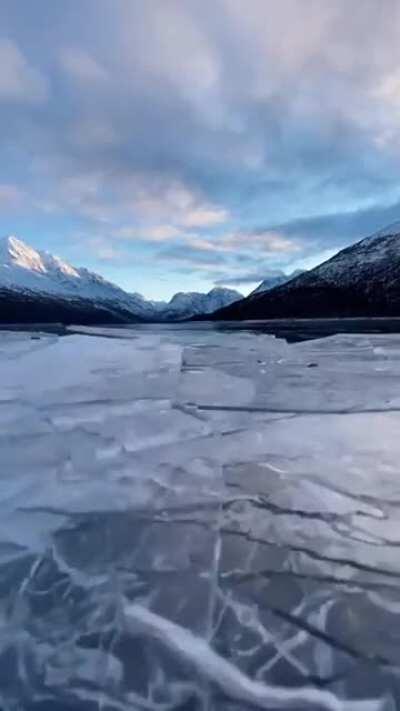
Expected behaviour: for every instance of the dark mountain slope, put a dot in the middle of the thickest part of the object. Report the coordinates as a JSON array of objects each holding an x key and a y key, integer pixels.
[
  {"x": 361, "y": 280},
  {"x": 32, "y": 308}
]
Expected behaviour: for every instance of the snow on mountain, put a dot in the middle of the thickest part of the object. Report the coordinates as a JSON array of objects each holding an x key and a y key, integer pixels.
[
  {"x": 389, "y": 230},
  {"x": 27, "y": 272},
  {"x": 377, "y": 251},
  {"x": 275, "y": 279},
  {"x": 185, "y": 305},
  {"x": 360, "y": 280}
]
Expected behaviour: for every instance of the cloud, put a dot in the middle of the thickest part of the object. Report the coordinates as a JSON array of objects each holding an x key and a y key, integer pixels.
[
  {"x": 389, "y": 89},
  {"x": 189, "y": 131},
  {"x": 93, "y": 134},
  {"x": 174, "y": 203},
  {"x": 140, "y": 209},
  {"x": 204, "y": 217},
  {"x": 192, "y": 256},
  {"x": 229, "y": 258},
  {"x": 252, "y": 277},
  {"x": 19, "y": 81},
  {"x": 265, "y": 242},
  {"x": 80, "y": 65},
  {"x": 10, "y": 195},
  {"x": 272, "y": 242},
  {"x": 104, "y": 251},
  {"x": 340, "y": 228},
  {"x": 158, "y": 233}
]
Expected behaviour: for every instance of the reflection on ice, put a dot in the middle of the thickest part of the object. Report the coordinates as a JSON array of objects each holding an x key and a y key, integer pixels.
[{"x": 199, "y": 520}]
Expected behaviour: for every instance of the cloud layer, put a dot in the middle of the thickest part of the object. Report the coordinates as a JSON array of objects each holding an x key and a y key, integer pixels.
[{"x": 169, "y": 141}]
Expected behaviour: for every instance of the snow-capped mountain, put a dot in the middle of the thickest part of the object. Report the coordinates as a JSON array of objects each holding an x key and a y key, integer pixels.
[
  {"x": 361, "y": 280},
  {"x": 27, "y": 274},
  {"x": 184, "y": 305},
  {"x": 276, "y": 279},
  {"x": 37, "y": 286}
]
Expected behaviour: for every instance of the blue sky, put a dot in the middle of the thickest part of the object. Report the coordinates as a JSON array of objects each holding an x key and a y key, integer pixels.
[{"x": 175, "y": 145}]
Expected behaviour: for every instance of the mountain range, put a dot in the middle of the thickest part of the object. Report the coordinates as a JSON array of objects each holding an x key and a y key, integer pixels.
[
  {"x": 36, "y": 286},
  {"x": 361, "y": 280}
]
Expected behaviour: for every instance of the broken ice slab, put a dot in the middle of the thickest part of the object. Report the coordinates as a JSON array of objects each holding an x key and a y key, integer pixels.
[
  {"x": 202, "y": 486},
  {"x": 353, "y": 373}
]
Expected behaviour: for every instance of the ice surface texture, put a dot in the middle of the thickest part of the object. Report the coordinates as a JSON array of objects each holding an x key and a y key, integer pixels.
[{"x": 198, "y": 520}]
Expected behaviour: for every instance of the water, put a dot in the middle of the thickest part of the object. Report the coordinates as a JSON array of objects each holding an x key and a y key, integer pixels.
[{"x": 199, "y": 518}]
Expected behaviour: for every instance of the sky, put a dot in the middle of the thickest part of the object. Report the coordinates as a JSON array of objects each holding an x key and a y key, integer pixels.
[{"x": 178, "y": 145}]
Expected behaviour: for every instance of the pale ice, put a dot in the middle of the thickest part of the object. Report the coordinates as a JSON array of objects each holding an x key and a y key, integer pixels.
[{"x": 199, "y": 519}]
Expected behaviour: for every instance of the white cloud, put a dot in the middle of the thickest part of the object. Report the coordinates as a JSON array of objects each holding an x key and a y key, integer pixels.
[
  {"x": 175, "y": 49},
  {"x": 241, "y": 242},
  {"x": 80, "y": 65},
  {"x": 19, "y": 81},
  {"x": 158, "y": 233},
  {"x": 389, "y": 89},
  {"x": 138, "y": 207},
  {"x": 204, "y": 216},
  {"x": 84, "y": 195},
  {"x": 105, "y": 251},
  {"x": 10, "y": 195},
  {"x": 274, "y": 242},
  {"x": 172, "y": 203}
]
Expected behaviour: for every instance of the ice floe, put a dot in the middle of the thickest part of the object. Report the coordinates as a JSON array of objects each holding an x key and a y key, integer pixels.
[{"x": 199, "y": 520}]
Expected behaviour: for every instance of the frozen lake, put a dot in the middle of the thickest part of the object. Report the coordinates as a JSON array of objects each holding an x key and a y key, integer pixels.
[{"x": 199, "y": 520}]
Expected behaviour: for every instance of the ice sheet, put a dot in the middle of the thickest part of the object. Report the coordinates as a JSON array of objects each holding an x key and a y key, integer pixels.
[{"x": 199, "y": 520}]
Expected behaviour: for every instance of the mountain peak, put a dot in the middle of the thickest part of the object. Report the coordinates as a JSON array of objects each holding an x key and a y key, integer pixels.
[
  {"x": 9, "y": 241},
  {"x": 16, "y": 253},
  {"x": 39, "y": 275},
  {"x": 224, "y": 291}
]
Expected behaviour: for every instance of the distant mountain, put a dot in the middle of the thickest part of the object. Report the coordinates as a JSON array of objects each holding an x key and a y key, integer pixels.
[
  {"x": 37, "y": 287},
  {"x": 275, "y": 279},
  {"x": 185, "y": 305},
  {"x": 361, "y": 280}
]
